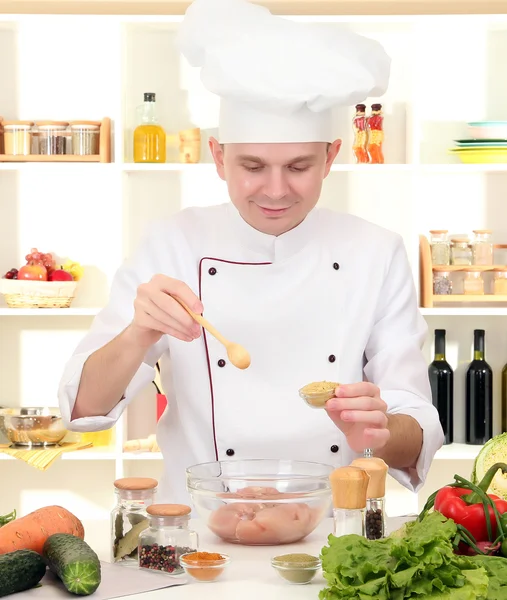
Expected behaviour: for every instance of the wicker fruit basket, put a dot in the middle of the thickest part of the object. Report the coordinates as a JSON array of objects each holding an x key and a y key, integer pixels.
[{"x": 38, "y": 294}]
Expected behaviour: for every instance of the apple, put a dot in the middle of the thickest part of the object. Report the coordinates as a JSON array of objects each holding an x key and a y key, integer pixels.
[
  {"x": 60, "y": 275},
  {"x": 32, "y": 271}
]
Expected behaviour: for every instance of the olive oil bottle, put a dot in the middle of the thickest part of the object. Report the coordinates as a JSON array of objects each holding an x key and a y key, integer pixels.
[{"x": 149, "y": 135}]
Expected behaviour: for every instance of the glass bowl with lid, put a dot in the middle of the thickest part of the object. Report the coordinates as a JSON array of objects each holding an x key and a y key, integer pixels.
[{"x": 261, "y": 502}]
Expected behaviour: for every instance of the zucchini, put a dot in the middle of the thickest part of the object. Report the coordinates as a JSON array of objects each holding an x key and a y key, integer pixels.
[
  {"x": 73, "y": 561},
  {"x": 20, "y": 570}
]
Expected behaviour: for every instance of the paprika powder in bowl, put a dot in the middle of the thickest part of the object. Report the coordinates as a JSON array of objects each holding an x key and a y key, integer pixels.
[
  {"x": 261, "y": 502},
  {"x": 204, "y": 566}
]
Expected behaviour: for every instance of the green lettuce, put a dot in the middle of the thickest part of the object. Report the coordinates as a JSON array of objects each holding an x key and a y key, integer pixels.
[{"x": 420, "y": 564}]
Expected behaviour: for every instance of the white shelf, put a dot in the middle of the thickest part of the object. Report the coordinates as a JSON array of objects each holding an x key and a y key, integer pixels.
[
  {"x": 142, "y": 456},
  {"x": 92, "y": 454},
  {"x": 458, "y": 452},
  {"x": 464, "y": 312},
  {"x": 83, "y": 168},
  {"x": 48, "y": 312}
]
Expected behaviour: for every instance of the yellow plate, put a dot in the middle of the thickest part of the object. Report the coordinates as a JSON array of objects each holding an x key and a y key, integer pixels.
[{"x": 481, "y": 155}]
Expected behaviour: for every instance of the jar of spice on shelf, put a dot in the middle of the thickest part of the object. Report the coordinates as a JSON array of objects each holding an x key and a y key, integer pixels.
[
  {"x": 17, "y": 137},
  {"x": 473, "y": 283},
  {"x": 85, "y": 137},
  {"x": 461, "y": 251},
  {"x": 52, "y": 136},
  {"x": 482, "y": 247},
  {"x": 440, "y": 247},
  {"x": 359, "y": 127},
  {"x": 442, "y": 284},
  {"x": 500, "y": 281},
  {"x": 167, "y": 538},
  {"x": 129, "y": 517}
]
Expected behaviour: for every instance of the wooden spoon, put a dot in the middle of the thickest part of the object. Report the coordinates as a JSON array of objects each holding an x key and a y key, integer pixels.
[{"x": 238, "y": 355}]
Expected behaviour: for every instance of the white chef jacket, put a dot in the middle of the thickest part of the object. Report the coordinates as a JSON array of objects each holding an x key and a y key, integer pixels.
[{"x": 332, "y": 299}]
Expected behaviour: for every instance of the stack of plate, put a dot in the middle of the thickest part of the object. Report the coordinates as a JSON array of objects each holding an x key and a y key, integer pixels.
[{"x": 487, "y": 143}]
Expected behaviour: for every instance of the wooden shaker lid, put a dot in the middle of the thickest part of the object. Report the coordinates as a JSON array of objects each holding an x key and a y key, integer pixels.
[
  {"x": 168, "y": 510},
  {"x": 135, "y": 483},
  {"x": 377, "y": 470},
  {"x": 349, "y": 485}
]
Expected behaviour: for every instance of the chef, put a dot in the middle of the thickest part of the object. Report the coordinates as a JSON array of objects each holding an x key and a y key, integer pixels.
[{"x": 312, "y": 294}]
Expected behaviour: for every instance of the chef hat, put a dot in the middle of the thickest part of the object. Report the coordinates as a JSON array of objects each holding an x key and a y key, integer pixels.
[{"x": 278, "y": 80}]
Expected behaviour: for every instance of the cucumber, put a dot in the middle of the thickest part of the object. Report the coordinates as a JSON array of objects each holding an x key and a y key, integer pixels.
[
  {"x": 20, "y": 570},
  {"x": 73, "y": 561}
]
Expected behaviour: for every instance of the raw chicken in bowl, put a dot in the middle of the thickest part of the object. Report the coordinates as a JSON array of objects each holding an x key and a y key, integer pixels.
[{"x": 261, "y": 502}]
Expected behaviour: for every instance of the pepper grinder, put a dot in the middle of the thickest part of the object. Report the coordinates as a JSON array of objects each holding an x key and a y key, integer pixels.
[
  {"x": 349, "y": 486},
  {"x": 375, "y": 502}
]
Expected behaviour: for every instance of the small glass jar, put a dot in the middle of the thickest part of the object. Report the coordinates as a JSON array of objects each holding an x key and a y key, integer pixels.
[
  {"x": 52, "y": 136},
  {"x": 500, "y": 281},
  {"x": 482, "y": 247},
  {"x": 440, "y": 247},
  {"x": 85, "y": 137},
  {"x": 17, "y": 137},
  {"x": 461, "y": 251},
  {"x": 167, "y": 538},
  {"x": 129, "y": 517},
  {"x": 375, "y": 519},
  {"x": 442, "y": 284},
  {"x": 473, "y": 283}
]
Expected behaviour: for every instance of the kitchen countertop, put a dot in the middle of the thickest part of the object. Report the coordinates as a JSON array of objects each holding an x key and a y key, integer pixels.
[{"x": 249, "y": 575}]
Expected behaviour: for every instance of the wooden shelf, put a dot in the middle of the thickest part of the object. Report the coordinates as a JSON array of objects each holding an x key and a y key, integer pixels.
[
  {"x": 61, "y": 158},
  {"x": 287, "y": 7},
  {"x": 104, "y": 155},
  {"x": 468, "y": 298},
  {"x": 453, "y": 268}
]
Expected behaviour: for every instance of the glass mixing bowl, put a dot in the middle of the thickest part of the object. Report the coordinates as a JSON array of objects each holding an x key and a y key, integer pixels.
[{"x": 261, "y": 502}]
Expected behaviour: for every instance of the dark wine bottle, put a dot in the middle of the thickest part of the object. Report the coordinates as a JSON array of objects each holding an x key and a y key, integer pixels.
[
  {"x": 479, "y": 395},
  {"x": 441, "y": 378}
]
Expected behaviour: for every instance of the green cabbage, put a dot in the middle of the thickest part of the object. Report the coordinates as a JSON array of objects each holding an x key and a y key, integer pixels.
[{"x": 493, "y": 451}]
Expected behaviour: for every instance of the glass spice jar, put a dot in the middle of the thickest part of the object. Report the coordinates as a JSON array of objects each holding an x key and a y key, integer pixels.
[
  {"x": 442, "y": 284},
  {"x": 461, "y": 251},
  {"x": 52, "y": 137},
  {"x": 17, "y": 137},
  {"x": 473, "y": 282},
  {"x": 85, "y": 137},
  {"x": 349, "y": 487},
  {"x": 500, "y": 281},
  {"x": 375, "y": 516},
  {"x": 482, "y": 247},
  {"x": 129, "y": 517},
  {"x": 167, "y": 538},
  {"x": 440, "y": 247}
]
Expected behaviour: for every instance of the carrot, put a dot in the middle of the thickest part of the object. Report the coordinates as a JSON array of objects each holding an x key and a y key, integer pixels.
[{"x": 31, "y": 531}]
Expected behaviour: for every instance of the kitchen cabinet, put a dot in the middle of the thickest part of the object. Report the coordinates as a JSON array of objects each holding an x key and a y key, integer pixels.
[{"x": 447, "y": 70}]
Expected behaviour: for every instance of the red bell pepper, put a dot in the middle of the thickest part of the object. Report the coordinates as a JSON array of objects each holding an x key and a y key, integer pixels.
[{"x": 467, "y": 508}]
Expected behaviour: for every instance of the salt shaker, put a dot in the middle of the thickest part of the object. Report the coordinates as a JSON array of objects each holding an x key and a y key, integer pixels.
[
  {"x": 375, "y": 501},
  {"x": 349, "y": 486}
]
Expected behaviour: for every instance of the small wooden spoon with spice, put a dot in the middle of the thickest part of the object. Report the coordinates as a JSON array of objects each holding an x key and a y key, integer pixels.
[{"x": 238, "y": 355}]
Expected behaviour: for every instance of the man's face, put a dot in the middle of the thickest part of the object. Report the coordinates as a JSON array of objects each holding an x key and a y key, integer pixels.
[{"x": 274, "y": 186}]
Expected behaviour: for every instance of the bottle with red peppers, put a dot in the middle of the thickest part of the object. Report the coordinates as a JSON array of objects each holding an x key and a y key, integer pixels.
[
  {"x": 360, "y": 134},
  {"x": 376, "y": 134}
]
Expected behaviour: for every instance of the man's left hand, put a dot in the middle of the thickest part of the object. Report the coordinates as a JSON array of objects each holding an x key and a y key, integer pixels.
[{"x": 359, "y": 411}]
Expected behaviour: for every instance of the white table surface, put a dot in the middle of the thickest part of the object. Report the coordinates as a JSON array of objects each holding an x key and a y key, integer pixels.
[{"x": 249, "y": 576}]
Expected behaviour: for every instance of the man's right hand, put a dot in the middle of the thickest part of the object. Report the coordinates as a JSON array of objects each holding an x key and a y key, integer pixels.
[{"x": 157, "y": 313}]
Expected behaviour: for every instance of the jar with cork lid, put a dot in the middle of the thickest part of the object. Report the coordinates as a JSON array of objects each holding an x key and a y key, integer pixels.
[
  {"x": 129, "y": 518},
  {"x": 482, "y": 248},
  {"x": 17, "y": 137},
  {"x": 167, "y": 538},
  {"x": 349, "y": 487},
  {"x": 375, "y": 522}
]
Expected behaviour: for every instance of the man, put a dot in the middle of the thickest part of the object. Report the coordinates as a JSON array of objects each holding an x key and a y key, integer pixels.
[{"x": 311, "y": 294}]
